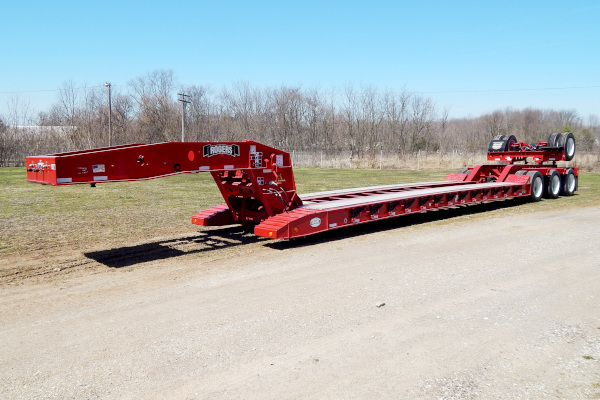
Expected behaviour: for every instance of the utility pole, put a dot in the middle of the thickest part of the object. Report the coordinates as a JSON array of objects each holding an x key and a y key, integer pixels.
[
  {"x": 107, "y": 84},
  {"x": 184, "y": 101}
]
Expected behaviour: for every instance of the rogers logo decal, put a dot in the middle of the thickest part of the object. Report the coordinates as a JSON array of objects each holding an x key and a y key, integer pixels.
[
  {"x": 221, "y": 149},
  {"x": 316, "y": 221}
]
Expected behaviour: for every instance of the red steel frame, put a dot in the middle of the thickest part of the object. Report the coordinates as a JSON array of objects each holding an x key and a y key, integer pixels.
[
  {"x": 256, "y": 181},
  {"x": 257, "y": 184}
]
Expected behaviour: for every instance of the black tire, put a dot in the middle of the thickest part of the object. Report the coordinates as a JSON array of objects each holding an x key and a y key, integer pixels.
[
  {"x": 537, "y": 185},
  {"x": 510, "y": 140},
  {"x": 566, "y": 140},
  {"x": 553, "y": 185},
  {"x": 521, "y": 172},
  {"x": 552, "y": 139},
  {"x": 569, "y": 183},
  {"x": 500, "y": 137}
]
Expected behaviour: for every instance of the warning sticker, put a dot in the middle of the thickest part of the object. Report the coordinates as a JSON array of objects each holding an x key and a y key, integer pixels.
[{"x": 98, "y": 168}]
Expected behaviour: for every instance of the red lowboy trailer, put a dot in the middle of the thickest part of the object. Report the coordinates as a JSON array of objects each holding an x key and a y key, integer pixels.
[{"x": 257, "y": 182}]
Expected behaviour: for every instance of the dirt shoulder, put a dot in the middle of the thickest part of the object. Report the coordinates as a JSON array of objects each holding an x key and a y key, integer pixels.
[{"x": 493, "y": 306}]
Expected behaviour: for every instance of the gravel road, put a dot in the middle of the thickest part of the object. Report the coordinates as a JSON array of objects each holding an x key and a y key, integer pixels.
[{"x": 499, "y": 305}]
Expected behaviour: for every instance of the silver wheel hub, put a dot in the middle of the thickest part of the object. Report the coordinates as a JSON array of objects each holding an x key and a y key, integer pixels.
[
  {"x": 571, "y": 182},
  {"x": 537, "y": 187},
  {"x": 555, "y": 184},
  {"x": 570, "y": 147}
]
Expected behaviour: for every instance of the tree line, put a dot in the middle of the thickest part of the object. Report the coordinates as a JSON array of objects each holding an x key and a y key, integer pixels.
[{"x": 363, "y": 122}]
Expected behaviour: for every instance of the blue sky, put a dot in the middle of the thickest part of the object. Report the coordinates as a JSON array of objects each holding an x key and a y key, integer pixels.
[{"x": 471, "y": 57}]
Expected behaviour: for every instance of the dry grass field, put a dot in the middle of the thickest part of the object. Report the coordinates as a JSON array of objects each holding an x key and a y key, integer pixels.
[{"x": 43, "y": 225}]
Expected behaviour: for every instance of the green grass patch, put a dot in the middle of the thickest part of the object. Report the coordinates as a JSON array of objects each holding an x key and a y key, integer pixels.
[{"x": 36, "y": 217}]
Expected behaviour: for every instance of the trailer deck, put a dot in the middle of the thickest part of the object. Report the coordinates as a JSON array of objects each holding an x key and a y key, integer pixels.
[{"x": 335, "y": 210}]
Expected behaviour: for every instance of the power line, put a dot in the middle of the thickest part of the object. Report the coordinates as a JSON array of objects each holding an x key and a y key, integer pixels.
[
  {"x": 51, "y": 90},
  {"x": 511, "y": 90},
  {"x": 421, "y": 92}
]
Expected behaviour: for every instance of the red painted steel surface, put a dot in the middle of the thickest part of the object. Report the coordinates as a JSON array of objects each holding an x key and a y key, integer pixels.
[
  {"x": 538, "y": 156},
  {"x": 147, "y": 161},
  {"x": 215, "y": 216},
  {"x": 321, "y": 216},
  {"x": 257, "y": 184}
]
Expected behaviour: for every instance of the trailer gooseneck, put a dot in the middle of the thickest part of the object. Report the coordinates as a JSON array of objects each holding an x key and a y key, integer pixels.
[{"x": 257, "y": 182}]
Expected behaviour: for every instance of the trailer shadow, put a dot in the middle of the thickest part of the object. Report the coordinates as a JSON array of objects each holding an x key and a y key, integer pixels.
[
  {"x": 232, "y": 236},
  {"x": 204, "y": 241},
  {"x": 394, "y": 223}
]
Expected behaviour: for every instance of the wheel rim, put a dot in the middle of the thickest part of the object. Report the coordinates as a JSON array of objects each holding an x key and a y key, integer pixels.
[
  {"x": 537, "y": 187},
  {"x": 570, "y": 147},
  {"x": 571, "y": 183},
  {"x": 555, "y": 184}
]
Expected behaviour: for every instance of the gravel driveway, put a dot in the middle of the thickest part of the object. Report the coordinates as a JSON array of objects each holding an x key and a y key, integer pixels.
[{"x": 498, "y": 305}]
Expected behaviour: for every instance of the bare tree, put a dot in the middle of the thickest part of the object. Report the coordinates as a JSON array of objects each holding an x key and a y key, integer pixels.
[
  {"x": 495, "y": 123},
  {"x": 243, "y": 107},
  {"x": 361, "y": 120},
  {"x": 157, "y": 116},
  {"x": 5, "y": 144},
  {"x": 443, "y": 136},
  {"x": 395, "y": 108},
  {"x": 19, "y": 112},
  {"x": 422, "y": 116},
  {"x": 373, "y": 115},
  {"x": 123, "y": 119},
  {"x": 200, "y": 119},
  {"x": 351, "y": 120},
  {"x": 16, "y": 135},
  {"x": 319, "y": 121}
]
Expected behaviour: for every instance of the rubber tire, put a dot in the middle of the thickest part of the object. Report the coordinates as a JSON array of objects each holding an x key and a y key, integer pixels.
[
  {"x": 553, "y": 185},
  {"x": 566, "y": 140},
  {"x": 537, "y": 185},
  {"x": 500, "y": 137},
  {"x": 569, "y": 183},
  {"x": 509, "y": 140},
  {"x": 521, "y": 172},
  {"x": 552, "y": 139}
]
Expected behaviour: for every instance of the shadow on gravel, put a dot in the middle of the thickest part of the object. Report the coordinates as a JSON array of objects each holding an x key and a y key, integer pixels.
[
  {"x": 231, "y": 236},
  {"x": 203, "y": 241},
  {"x": 394, "y": 223}
]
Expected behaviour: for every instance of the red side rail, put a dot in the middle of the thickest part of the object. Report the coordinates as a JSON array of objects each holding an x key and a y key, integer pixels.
[
  {"x": 338, "y": 212},
  {"x": 148, "y": 161},
  {"x": 538, "y": 156}
]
